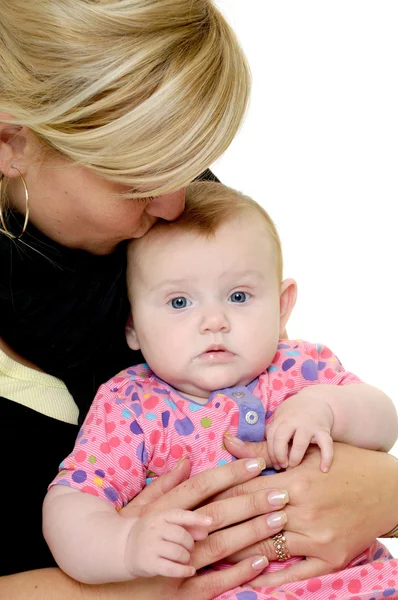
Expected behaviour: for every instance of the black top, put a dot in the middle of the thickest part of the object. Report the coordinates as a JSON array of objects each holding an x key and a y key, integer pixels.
[
  {"x": 32, "y": 446},
  {"x": 65, "y": 310}
]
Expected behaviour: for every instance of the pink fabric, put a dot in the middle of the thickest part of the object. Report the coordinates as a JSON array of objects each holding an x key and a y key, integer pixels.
[
  {"x": 371, "y": 580},
  {"x": 138, "y": 427}
]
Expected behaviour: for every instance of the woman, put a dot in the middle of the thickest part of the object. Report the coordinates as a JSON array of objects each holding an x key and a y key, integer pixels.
[{"x": 108, "y": 109}]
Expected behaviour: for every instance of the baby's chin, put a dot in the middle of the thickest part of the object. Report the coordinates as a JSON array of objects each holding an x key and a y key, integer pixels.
[{"x": 201, "y": 391}]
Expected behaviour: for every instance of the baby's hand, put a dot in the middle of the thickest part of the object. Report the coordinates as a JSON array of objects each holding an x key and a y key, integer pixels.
[
  {"x": 302, "y": 419},
  {"x": 161, "y": 544}
]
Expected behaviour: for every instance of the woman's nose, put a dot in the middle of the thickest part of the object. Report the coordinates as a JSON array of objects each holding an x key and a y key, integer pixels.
[{"x": 167, "y": 207}]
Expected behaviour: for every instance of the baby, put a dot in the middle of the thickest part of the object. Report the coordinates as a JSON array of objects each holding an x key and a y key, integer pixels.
[{"x": 209, "y": 307}]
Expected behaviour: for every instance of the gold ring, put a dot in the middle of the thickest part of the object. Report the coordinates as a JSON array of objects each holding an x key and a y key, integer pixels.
[{"x": 279, "y": 541}]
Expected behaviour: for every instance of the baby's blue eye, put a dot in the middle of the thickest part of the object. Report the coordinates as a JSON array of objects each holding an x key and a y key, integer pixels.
[
  {"x": 179, "y": 302},
  {"x": 239, "y": 297}
]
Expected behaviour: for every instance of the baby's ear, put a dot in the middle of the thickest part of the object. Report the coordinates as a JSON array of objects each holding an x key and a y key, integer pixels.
[
  {"x": 131, "y": 334},
  {"x": 288, "y": 296}
]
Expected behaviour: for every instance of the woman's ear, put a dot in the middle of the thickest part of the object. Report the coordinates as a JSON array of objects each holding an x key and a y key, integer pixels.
[
  {"x": 12, "y": 147},
  {"x": 131, "y": 334},
  {"x": 288, "y": 296}
]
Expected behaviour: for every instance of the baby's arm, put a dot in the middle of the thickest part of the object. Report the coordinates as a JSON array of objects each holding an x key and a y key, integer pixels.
[
  {"x": 302, "y": 419},
  {"x": 363, "y": 415},
  {"x": 357, "y": 414},
  {"x": 93, "y": 544},
  {"x": 324, "y": 403}
]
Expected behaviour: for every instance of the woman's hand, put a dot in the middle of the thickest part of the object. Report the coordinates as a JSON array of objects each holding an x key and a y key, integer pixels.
[
  {"x": 175, "y": 490},
  {"x": 199, "y": 587},
  {"x": 48, "y": 584},
  {"x": 260, "y": 512},
  {"x": 332, "y": 517}
]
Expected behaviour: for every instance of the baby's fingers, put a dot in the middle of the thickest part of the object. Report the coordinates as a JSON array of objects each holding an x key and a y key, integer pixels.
[
  {"x": 187, "y": 518},
  {"x": 173, "y": 552},
  {"x": 270, "y": 445},
  {"x": 184, "y": 526},
  {"x": 325, "y": 443},
  {"x": 281, "y": 439},
  {"x": 301, "y": 441},
  {"x": 168, "y": 568}
]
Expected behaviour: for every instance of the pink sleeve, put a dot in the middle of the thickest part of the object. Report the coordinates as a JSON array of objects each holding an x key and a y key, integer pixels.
[
  {"x": 329, "y": 369},
  {"x": 299, "y": 364},
  {"x": 110, "y": 456}
]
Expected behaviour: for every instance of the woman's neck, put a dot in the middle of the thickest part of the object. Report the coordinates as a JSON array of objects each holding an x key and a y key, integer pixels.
[{"x": 20, "y": 359}]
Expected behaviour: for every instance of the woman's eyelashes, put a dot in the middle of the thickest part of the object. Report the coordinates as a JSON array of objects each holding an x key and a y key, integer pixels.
[{"x": 145, "y": 201}]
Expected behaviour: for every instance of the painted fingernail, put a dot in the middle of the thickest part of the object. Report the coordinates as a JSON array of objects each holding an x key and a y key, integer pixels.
[
  {"x": 260, "y": 562},
  {"x": 276, "y": 519},
  {"x": 278, "y": 497},
  {"x": 179, "y": 463},
  {"x": 255, "y": 465},
  {"x": 234, "y": 440}
]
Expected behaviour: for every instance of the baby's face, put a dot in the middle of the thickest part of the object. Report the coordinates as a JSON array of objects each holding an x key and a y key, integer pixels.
[{"x": 206, "y": 311}]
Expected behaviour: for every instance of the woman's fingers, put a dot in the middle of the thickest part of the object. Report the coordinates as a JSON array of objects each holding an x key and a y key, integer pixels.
[
  {"x": 242, "y": 449},
  {"x": 214, "y": 584},
  {"x": 220, "y": 544},
  {"x": 160, "y": 486},
  {"x": 292, "y": 480},
  {"x": 334, "y": 531},
  {"x": 202, "y": 486},
  {"x": 305, "y": 569},
  {"x": 296, "y": 544},
  {"x": 224, "y": 513}
]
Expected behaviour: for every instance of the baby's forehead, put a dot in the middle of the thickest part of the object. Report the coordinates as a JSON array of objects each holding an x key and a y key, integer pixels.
[
  {"x": 158, "y": 238},
  {"x": 177, "y": 240},
  {"x": 163, "y": 233}
]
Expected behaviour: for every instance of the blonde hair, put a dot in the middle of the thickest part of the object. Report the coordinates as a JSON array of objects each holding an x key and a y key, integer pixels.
[
  {"x": 210, "y": 205},
  {"x": 147, "y": 93}
]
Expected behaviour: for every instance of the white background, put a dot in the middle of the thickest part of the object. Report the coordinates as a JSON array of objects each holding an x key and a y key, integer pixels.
[{"x": 319, "y": 150}]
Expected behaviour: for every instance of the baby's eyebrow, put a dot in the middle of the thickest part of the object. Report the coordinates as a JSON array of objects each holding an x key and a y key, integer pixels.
[
  {"x": 166, "y": 283},
  {"x": 244, "y": 274},
  {"x": 240, "y": 276}
]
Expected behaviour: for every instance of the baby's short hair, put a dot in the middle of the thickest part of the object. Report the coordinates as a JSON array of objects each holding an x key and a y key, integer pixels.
[{"x": 208, "y": 206}]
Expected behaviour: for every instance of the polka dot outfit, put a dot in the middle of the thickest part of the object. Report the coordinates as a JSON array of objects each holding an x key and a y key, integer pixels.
[
  {"x": 368, "y": 581},
  {"x": 138, "y": 427}
]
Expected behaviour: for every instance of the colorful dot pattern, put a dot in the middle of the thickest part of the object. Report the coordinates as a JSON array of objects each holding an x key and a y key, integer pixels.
[
  {"x": 138, "y": 427},
  {"x": 375, "y": 577}
]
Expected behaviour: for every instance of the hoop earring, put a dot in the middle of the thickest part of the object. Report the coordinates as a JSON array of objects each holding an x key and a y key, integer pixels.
[{"x": 2, "y": 220}]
